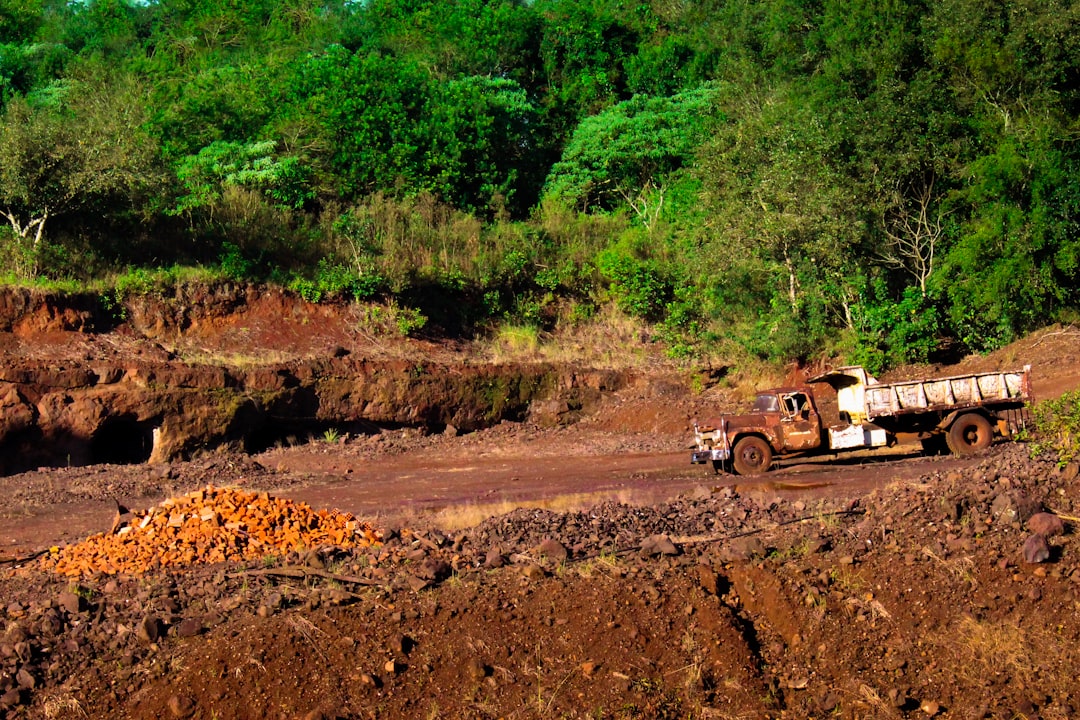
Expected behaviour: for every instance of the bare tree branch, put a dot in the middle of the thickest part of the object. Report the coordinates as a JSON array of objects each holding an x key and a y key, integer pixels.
[{"x": 913, "y": 225}]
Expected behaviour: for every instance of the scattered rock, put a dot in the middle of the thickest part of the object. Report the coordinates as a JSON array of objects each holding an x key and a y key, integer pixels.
[
  {"x": 25, "y": 679},
  {"x": 658, "y": 545},
  {"x": 189, "y": 627},
  {"x": 12, "y": 698},
  {"x": 150, "y": 629},
  {"x": 434, "y": 569},
  {"x": 416, "y": 584},
  {"x": 181, "y": 706},
  {"x": 1046, "y": 524},
  {"x": 494, "y": 559},
  {"x": 744, "y": 548},
  {"x": 1036, "y": 549},
  {"x": 552, "y": 549},
  {"x": 70, "y": 602}
]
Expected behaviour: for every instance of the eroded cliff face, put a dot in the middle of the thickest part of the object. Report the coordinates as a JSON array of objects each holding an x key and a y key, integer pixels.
[{"x": 162, "y": 378}]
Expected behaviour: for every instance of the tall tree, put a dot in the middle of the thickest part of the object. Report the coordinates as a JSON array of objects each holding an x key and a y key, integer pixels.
[{"x": 85, "y": 146}]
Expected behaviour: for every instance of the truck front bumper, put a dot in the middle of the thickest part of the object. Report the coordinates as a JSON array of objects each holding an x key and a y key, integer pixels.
[{"x": 715, "y": 455}]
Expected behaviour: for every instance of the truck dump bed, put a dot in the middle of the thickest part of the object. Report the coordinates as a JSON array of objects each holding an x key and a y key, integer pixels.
[{"x": 863, "y": 398}]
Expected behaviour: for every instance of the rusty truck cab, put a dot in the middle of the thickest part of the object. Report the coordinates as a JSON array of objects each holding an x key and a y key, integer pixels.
[{"x": 782, "y": 421}]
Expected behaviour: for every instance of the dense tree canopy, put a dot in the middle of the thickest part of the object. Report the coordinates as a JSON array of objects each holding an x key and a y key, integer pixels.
[{"x": 876, "y": 178}]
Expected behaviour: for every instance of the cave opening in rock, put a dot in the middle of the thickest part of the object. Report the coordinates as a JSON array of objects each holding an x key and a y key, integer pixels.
[{"x": 123, "y": 440}]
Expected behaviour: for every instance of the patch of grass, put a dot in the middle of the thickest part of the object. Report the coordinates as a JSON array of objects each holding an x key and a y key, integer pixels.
[
  {"x": 961, "y": 567},
  {"x": 985, "y": 648},
  {"x": 63, "y": 706},
  {"x": 459, "y": 517},
  {"x": 331, "y": 436},
  {"x": 516, "y": 341}
]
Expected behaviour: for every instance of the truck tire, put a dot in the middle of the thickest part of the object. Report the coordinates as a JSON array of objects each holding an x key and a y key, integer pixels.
[
  {"x": 752, "y": 455},
  {"x": 969, "y": 434}
]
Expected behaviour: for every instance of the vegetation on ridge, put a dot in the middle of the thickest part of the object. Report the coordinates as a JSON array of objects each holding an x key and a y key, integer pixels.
[{"x": 878, "y": 179}]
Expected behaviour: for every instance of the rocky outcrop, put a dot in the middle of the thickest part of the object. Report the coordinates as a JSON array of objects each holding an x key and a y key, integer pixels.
[
  {"x": 145, "y": 410},
  {"x": 86, "y": 379}
]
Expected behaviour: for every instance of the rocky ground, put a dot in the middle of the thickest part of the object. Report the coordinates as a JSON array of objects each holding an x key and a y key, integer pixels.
[{"x": 899, "y": 588}]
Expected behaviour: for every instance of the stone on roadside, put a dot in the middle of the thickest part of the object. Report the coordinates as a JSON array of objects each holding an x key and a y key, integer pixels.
[
  {"x": 1036, "y": 549},
  {"x": 533, "y": 572},
  {"x": 189, "y": 627},
  {"x": 552, "y": 549},
  {"x": 1004, "y": 508},
  {"x": 70, "y": 602},
  {"x": 1046, "y": 524},
  {"x": 744, "y": 548},
  {"x": 416, "y": 584},
  {"x": 494, "y": 558},
  {"x": 658, "y": 545},
  {"x": 25, "y": 680},
  {"x": 434, "y": 570},
  {"x": 10, "y": 699},
  {"x": 181, "y": 706},
  {"x": 150, "y": 629}
]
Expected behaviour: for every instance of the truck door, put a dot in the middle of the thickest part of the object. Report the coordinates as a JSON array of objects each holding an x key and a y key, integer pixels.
[{"x": 800, "y": 426}]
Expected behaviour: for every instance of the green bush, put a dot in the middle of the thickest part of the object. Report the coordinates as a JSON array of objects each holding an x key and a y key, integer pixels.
[
  {"x": 338, "y": 281},
  {"x": 636, "y": 285},
  {"x": 895, "y": 332},
  {"x": 1057, "y": 427}
]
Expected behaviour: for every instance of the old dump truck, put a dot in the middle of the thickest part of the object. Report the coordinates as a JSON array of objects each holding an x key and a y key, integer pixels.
[{"x": 963, "y": 414}]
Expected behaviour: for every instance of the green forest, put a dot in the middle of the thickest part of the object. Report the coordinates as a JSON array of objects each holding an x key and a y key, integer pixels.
[{"x": 880, "y": 180}]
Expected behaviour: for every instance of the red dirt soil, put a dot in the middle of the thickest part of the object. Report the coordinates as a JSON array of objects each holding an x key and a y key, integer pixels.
[{"x": 891, "y": 586}]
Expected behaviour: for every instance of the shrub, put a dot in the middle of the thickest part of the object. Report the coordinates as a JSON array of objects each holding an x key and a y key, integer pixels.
[
  {"x": 636, "y": 285},
  {"x": 1057, "y": 427}
]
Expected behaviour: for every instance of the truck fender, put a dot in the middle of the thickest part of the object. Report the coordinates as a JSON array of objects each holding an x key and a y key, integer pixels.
[
  {"x": 948, "y": 420},
  {"x": 768, "y": 434}
]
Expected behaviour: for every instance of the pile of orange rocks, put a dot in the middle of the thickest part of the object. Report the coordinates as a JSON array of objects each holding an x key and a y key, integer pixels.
[{"x": 210, "y": 526}]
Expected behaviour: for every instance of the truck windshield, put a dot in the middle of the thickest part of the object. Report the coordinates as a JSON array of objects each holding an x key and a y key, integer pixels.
[{"x": 766, "y": 403}]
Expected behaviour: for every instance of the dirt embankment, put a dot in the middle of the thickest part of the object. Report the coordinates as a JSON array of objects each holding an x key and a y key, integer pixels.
[{"x": 162, "y": 378}]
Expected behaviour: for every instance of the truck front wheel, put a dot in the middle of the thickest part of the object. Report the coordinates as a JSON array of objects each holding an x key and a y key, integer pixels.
[
  {"x": 969, "y": 434},
  {"x": 752, "y": 455}
]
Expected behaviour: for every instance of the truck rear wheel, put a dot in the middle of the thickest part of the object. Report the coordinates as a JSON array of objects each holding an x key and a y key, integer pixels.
[
  {"x": 969, "y": 434},
  {"x": 752, "y": 455}
]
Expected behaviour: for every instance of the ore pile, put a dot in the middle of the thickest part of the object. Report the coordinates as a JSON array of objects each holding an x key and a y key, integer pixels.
[{"x": 212, "y": 525}]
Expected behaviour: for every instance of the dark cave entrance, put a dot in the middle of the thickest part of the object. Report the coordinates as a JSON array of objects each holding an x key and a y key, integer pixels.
[{"x": 123, "y": 440}]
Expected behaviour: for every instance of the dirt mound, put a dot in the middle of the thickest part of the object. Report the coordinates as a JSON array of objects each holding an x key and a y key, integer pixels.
[{"x": 212, "y": 525}]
